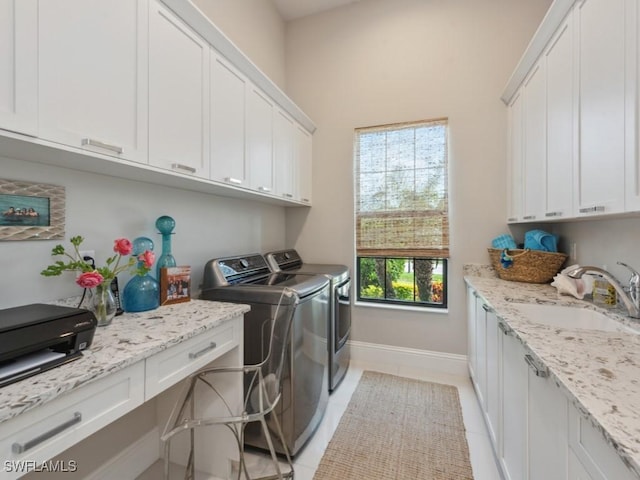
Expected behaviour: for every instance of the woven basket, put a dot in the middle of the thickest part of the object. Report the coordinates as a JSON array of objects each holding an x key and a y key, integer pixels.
[{"x": 530, "y": 266}]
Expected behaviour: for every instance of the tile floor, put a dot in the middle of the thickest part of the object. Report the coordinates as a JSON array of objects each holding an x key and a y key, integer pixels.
[
  {"x": 482, "y": 457},
  {"x": 307, "y": 460}
]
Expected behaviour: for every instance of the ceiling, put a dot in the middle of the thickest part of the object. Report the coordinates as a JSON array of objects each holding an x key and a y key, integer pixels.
[{"x": 292, "y": 9}]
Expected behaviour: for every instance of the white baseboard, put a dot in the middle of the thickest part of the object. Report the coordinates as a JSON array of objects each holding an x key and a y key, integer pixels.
[
  {"x": 132, "y": 461},
  {"x": 374, "y": 353}
]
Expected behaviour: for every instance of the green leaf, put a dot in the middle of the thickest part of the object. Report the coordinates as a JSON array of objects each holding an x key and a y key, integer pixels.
[{"x": 76, "y": 241}]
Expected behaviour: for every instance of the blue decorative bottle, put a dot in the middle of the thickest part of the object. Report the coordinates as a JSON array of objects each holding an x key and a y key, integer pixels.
[
  {"x": 165, "y": 226},
  {"x": 141, "y": 293}
]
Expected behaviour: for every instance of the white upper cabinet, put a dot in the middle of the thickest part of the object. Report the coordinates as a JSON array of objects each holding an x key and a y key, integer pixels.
[
  {"x": 284, "y": 151},
  {"x": 228, "y": 110},
  {"x": 259, "y": 145},
  {"x": 19, "y": 64},
  {"x": 561, "y": 122},
  {"x": 303, "y": 160},
  {"x": 515, "y": 165},
  {"x": 178, "y": 95},
  {"x": 92, "y": 75},
  {"x": 600, "y": 176},
  {"x": 535, "y": 143}
]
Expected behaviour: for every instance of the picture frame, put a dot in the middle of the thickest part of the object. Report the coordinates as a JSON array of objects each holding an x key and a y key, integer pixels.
[
  {"x": 31, "y": 211},
  {"x": 175, "y": 285}
]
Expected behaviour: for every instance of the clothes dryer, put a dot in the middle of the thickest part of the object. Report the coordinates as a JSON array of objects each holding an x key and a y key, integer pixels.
[{"x": 340, "y": 322}]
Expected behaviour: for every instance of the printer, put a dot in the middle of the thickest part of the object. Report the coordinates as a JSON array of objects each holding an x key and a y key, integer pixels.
[{"x": 38, "y": 337}]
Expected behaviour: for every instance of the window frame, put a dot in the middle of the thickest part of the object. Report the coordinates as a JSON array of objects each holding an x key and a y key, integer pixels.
[
  {"x": 405, "y": 303},
  {"x": 427, "y": 251}
]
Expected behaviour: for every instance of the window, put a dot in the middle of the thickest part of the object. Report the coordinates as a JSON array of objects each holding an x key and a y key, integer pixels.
[{"x": 402, "y": 223}]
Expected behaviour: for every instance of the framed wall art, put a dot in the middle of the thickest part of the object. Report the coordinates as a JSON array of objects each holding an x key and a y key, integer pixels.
[
  {"x": 175, "y": 285},
  {"x": 31, "y": 211}
]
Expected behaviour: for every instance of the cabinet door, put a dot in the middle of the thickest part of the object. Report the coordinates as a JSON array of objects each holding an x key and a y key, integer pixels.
[
  {"x": 92, "y": 75},
  {"x": 515, "y": 160},
  {"x": 547, "y": 426},
  {"x": 513, "y": 392},
  {"x": 576, "y": 469},
  {"x": 535, "y": 143},
  {"x": 178, "y": 95},
  {"x": 19, "y": 64},
  {"x": 493, "y": 375},
  {"x": 561, "y": 122},
  {"x": 283, "y": 146},
  {"x": 601, "y": 45},
  {"x": 471, "y": 333},
  {"x": 227, "y": 122},
  {"x": 481, "y": 351},
  {"x": 260, "y": 141},
  {"x": 303, "y": 161}
]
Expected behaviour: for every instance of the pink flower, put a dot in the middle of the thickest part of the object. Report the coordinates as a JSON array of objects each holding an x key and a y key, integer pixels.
[
  {"x": 148, "y": 257},
  {"x": 122, "y": 246},
  {"x": 89, "y": 279}
]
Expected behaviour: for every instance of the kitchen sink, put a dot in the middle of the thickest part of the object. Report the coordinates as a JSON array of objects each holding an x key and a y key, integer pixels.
[{"x": 570, "y": 317}]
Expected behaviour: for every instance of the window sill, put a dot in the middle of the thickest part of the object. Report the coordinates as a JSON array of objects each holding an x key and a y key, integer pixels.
[{"x": 390, "y": 306}]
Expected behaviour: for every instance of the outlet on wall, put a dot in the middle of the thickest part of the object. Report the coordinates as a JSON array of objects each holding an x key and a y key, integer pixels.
[{"x": 87, "y": 253}]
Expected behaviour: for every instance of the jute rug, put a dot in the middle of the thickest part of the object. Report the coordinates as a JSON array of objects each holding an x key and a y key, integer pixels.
[{"x": 397, "y": 428}]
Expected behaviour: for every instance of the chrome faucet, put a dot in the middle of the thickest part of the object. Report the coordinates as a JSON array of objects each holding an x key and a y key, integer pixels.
[{"x": 630, "y": 300}]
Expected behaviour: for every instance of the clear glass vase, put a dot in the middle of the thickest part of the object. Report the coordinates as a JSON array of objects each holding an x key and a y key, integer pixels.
[{"x": 103, "y": 304}]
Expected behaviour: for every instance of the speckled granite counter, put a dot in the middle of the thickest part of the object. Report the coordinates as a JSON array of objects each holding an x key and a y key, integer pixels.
[
  {"x": 599, "y": 371},
  {"x": 131, "y": 338}
]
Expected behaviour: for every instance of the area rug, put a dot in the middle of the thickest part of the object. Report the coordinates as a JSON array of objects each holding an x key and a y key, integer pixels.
[{"x": 397, "y": 428}]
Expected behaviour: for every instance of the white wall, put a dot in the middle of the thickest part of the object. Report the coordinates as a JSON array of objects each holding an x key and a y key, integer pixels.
[
  {"x": 102, "y": 208},
  {"x": 256, "y": 28},
  {"x": 386, "y": 61}
]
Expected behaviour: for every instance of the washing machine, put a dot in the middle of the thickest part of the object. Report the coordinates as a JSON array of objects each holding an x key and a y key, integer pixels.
[
  {"x": 248, "y": 279},
  {"x": 289, "y": 261}
]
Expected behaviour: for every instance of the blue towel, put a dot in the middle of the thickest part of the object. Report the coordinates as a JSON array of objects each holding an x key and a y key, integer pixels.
[
  {"x": 540, "y": 240},
  {"x": 504, "y": 241}
]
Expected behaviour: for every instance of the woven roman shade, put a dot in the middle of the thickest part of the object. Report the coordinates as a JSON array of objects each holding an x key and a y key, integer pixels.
[{"x": 401, "y": 190}]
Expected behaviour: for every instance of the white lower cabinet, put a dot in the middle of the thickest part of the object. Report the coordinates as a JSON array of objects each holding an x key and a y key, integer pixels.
[
  {"x": 546, "y": 425},
  {"x": 594, "y": 458},
  {"x": 513, "y": 393},
  {"x": 54, "y": 427},
  {"x": 537, "y": 434}
]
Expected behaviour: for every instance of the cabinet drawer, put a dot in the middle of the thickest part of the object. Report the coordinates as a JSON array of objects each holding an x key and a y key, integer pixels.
[
  {"x": 597, "y": 457},
  {"x": 43, "y": 432},
  {"x": 175, "y": 363}
]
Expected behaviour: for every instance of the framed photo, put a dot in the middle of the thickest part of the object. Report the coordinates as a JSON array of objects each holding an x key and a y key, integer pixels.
[
  {"x": 175, "y": 285},
  {"x": 31, "y": 211}
]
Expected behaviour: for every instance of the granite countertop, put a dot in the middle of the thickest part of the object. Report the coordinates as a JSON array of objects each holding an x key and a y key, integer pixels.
[
  {"x": 130, "y": 338},
  {"x": 598, "y": 371}
]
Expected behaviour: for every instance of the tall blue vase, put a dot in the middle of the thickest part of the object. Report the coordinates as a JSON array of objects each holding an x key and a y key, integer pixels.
[
  {"x": 141, "y": 293},
  {"x": 165, "y": 226}
]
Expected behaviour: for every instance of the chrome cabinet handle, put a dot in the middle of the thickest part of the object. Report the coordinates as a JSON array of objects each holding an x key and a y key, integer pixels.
[
  {"x": 199, "y": 353},
  {"x": 540, "y": 372},
  {"x": 512, "y": 219},
  {"x": 264, "y": 189},
  {"x": 529, "y": 217},
  {"x": 288, "y": 195},
  {"x": 186, "y": 168},
  {"x": 486, "y": 307},
  {"x": 553, "y": 214},
  {"x": 23, "y": 447},
  {"x": 97, "y": 143},
  {"x": 236, "y": 181},
  {"x": 596, "y": 209},
  {"x": 305, "y": 200},
  {"x": 505, "y": 329}
]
